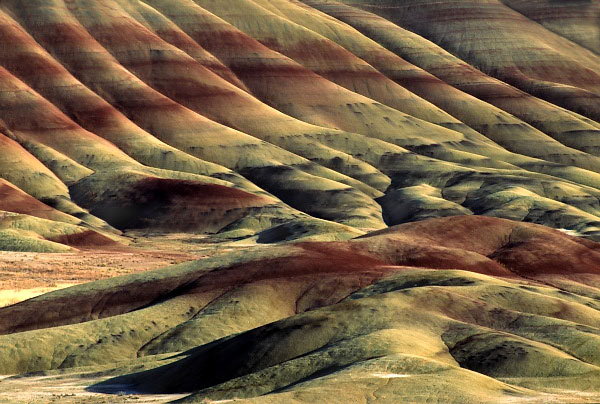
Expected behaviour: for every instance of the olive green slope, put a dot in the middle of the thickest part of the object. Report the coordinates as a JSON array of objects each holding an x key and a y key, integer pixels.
[
  {"x": 422, "y": 336},
  {"x": 460, "y": 309}
]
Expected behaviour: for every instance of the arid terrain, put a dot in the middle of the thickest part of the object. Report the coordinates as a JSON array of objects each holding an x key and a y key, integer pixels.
[
  {"x": 299, "y": 201},
  {"x": 27, "y": 274}
]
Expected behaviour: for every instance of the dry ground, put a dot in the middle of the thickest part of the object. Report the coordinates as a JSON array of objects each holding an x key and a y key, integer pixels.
[
  {"x": 69, "y": 389},
  {"x": 26, "y": 274}
]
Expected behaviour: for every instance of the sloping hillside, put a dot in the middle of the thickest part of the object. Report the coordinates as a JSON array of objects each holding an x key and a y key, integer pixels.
[
  {"x": 238, "y": 116},
  {"x": 378, "y": 200},
  {"x": 461, "y": 309}
]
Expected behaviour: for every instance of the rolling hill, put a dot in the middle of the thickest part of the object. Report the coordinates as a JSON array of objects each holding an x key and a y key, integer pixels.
[
  {"x": 341, "y": 111},
  {"x": 404, "y": 198}
]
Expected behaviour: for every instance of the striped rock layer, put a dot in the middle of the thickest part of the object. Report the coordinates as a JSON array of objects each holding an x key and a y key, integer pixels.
[{"x": 237, "y": 116}]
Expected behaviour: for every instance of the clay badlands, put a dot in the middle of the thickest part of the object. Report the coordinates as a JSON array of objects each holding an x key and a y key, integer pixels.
[{"x": 300, "y": 201}]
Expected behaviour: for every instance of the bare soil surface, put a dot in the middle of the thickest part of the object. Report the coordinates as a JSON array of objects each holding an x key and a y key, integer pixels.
[
  {"x": 69, "y": 389},
  {"x": 24, "y": 275}
]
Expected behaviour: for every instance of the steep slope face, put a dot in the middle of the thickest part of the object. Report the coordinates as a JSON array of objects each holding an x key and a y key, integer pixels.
[
  {"x": 246, "y": 115},
  {"x": 530, "y": 57},
  {"x": 423, "y": 54},
  {"x": 577, "y": 21},
  {"x": 425, "y": 301}
]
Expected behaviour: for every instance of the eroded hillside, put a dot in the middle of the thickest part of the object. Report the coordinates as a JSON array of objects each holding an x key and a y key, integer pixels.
[
  {"x": 238, "y": 116},
  {"x": 405, "y": 197},
  {"x": 464, "y": 309}
]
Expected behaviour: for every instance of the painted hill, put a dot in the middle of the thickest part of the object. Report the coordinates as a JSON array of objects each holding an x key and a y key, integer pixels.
[
  {"x": 467, "y": 309},
  {"x": 405, "y": 195},
  {"x": 365, "y": 114}
]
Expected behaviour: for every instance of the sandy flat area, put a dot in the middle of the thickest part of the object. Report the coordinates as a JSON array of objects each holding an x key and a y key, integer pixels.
[
  {"x": 68, "y": 389},
  {"x": 24, "y": 275}
]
